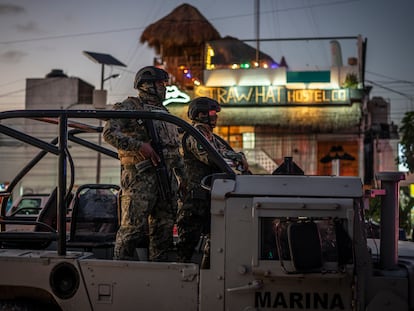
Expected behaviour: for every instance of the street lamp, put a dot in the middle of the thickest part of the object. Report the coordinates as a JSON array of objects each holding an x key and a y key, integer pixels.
[
  {"x": 115, "y": 75},
  {"x": 103, "y": 59}
]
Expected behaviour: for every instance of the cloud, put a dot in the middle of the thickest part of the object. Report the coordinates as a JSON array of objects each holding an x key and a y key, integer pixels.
[
  {"x": 28, "y": 27},
  {"x": 10, "y": 9},
  {"x": 12, "y": 56}
]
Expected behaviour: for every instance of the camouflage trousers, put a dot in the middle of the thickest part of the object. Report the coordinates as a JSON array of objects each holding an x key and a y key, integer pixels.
[
  {"x": 193, "y": 220},
  {"x": 146, "y": 220}
]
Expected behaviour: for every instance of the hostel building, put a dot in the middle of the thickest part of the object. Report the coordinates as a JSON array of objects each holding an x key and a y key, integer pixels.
[{"x": 323, "y": 119}]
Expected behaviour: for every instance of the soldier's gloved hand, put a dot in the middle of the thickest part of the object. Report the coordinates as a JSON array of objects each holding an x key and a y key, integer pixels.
[
  {"x": 148, "y": 152},
  {"x": 245, "y": 164}
]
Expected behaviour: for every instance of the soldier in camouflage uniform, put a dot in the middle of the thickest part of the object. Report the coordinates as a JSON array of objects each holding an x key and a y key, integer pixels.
[
  {"x": 194, "y": 215},
  {"x": 144, "y": 215}
]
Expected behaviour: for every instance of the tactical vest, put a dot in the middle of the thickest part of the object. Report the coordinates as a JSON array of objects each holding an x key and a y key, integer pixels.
[
  {"x": 167, "y": 133},
  {"x": 195, "y": 170}
]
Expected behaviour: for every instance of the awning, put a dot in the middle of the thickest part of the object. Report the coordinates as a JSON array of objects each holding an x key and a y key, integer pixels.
[{"x": 315, "y": 119}]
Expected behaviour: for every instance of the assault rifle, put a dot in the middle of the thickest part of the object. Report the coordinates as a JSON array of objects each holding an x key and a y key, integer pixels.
[
  {"x": 163, "y": 178},
  {"x": 236, "y": 157}
]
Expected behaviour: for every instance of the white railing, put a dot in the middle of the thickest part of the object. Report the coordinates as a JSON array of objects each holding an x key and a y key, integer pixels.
[{"x": 260, "y": 158}]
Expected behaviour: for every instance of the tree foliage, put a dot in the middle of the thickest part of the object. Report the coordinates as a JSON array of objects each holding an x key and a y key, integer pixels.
[
  {"x": 406, "y": 203},
  {"x": 407, "y": 141},
  {"x": 351, "y": 81}
]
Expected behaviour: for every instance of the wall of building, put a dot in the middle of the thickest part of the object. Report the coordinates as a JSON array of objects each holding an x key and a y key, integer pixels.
[{"x": 57, "y": 93}]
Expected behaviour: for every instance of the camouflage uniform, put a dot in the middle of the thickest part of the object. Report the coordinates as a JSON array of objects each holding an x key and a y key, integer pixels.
[
  {"x": 194, "y": 215},
  {"x": 144, "y": 215}
]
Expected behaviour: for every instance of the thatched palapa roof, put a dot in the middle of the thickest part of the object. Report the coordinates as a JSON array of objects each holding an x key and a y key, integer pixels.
[{"x": 184, "y": 26}]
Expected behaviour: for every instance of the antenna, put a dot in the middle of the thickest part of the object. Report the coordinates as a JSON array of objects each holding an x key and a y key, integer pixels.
[{"x": 257, "y": 15}]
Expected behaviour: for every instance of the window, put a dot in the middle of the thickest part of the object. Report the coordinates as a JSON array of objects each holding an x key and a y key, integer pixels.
[
  {"x": 304, "y": 244},
  {"x": 28, "y": 207}
]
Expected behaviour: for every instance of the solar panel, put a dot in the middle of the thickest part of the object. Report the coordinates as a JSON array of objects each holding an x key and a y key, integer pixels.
[{"x": 105, "y": 59}]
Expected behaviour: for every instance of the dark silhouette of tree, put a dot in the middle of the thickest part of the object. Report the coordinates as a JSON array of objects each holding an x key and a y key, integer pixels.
[{"x": 407, "y": 141}]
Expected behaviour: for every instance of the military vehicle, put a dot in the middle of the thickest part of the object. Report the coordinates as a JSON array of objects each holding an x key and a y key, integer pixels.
[{"x": 278, "y": 241}]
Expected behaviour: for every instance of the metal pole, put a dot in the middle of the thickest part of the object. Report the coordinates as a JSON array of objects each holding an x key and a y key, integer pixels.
[
  {"x": 98, "y": 159},
  {"x": 389, "y": 218},
  {"x": 102, "y": 75},
  {"x": 61, "y": 190},
  {"x": 301, "y": 39}
]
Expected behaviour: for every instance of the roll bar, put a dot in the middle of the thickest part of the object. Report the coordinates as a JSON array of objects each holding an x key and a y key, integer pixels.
[{"x": 61, "y": 119}]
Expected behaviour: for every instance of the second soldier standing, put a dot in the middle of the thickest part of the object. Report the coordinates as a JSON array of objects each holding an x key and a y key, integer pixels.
[
  {"x": 193, "y": 217},
  {"x": 144, "y": 214}
]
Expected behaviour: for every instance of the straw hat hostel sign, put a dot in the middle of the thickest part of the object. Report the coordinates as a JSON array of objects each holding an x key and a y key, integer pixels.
[{"x": 274, "y": 95}]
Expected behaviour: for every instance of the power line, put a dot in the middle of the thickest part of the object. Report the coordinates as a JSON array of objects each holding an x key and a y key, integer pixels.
[
  {"x": 330, "y": 3},
  {"x": 390, "y": 89},
  {"x": 11, "y": 82},
  {"x": 12, "y": 92},
  {"x": 70, "y": 35},
  {"x": 390, "y": 78}
]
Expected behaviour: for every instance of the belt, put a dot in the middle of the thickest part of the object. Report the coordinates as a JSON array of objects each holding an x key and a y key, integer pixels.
[
  {"x": 130, "y": 160},
  {"x": 139, "y": 167}
]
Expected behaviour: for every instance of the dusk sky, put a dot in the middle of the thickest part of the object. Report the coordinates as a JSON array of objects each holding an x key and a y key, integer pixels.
[{"x": 40, "y": 35}]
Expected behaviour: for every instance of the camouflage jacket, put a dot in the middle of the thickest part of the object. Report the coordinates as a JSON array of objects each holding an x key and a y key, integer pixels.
[
  {"x": 127, "y": 135},
  {"x": 196, "y": 160}
]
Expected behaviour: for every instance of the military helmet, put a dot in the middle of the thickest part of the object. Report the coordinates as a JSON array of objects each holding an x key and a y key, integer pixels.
[
  {"x": 150, "y": 74},
  {"x": 202, "y": 104}
]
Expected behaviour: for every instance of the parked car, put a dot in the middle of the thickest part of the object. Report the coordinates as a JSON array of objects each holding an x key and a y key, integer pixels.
[
  {"x": 28, "y": 205},
  {"x": 26, "y": 208}
]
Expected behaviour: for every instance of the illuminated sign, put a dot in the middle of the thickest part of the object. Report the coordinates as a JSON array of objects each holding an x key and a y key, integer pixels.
[
  {"x": 263, "y": 95},
  {"x": 3, "y": 186},
  {"x": 174, "y": 95}
]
